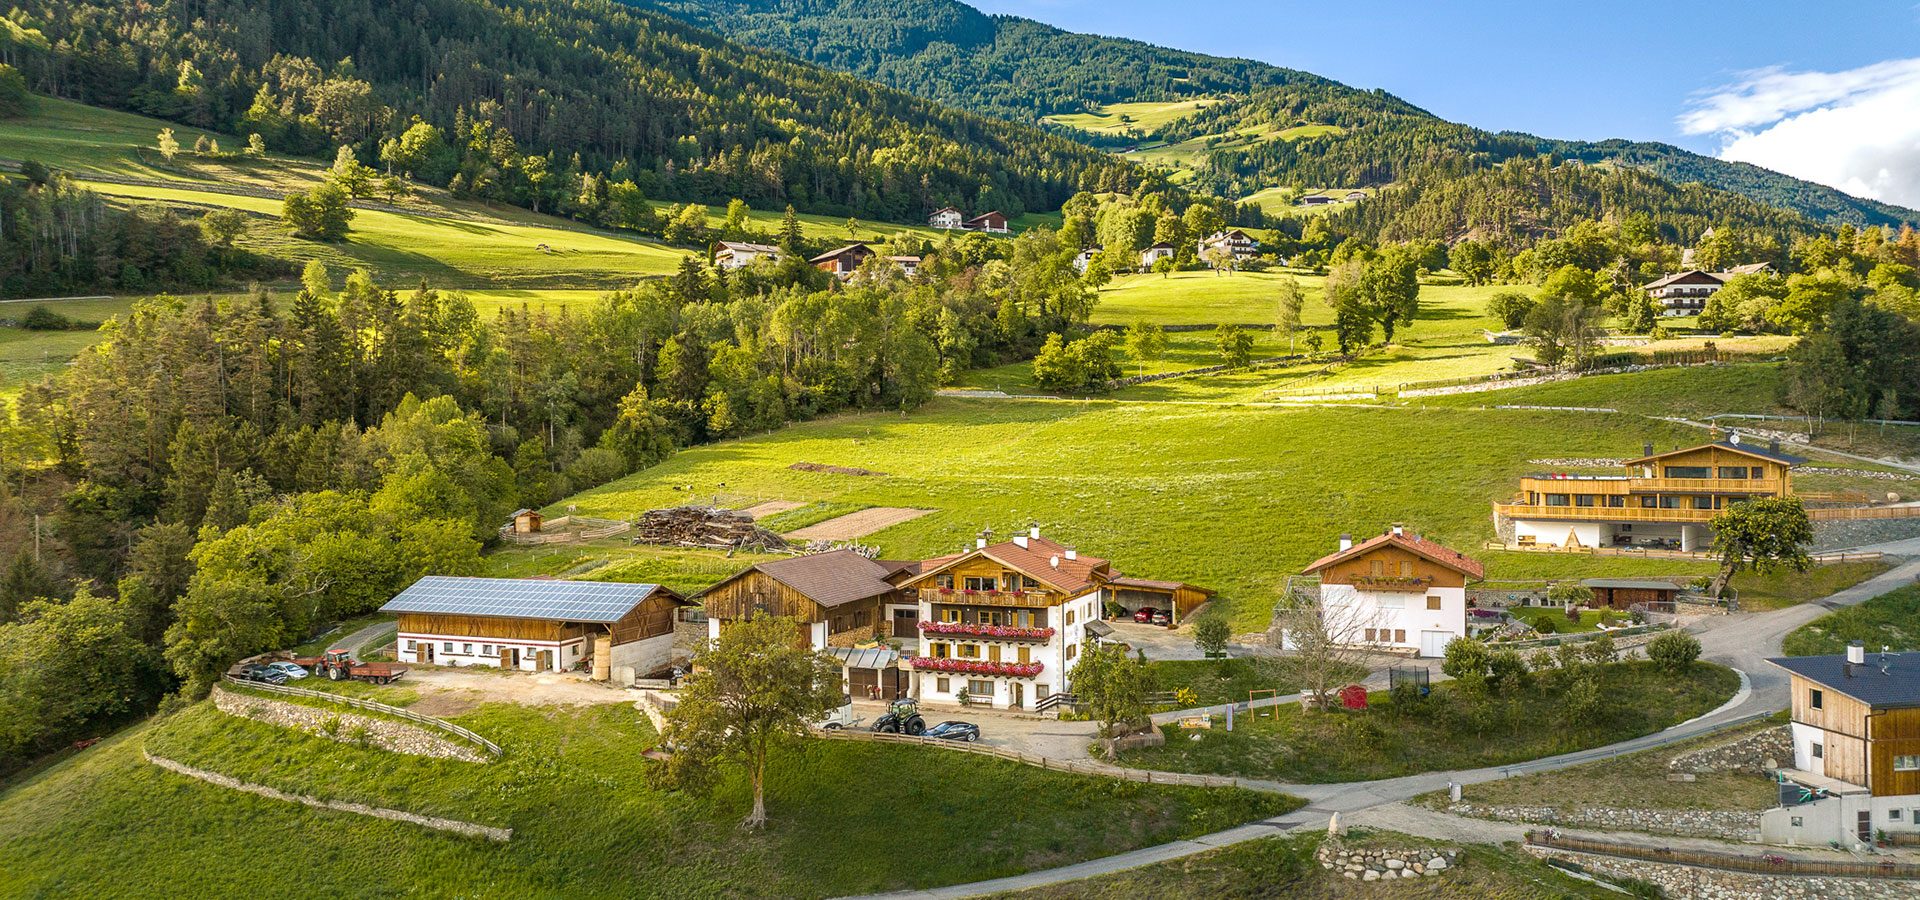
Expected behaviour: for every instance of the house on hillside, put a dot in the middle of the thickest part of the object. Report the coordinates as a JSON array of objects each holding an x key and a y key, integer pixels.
[
  {"x": 1085, "y": 258},
  {"x": 1396, "y": 591},
  {"x": 1685, "y": 293},
  {"x": 730, "y": 255},
  {"x": 843, "y": 262},
  {"x": 1154, "y": 254},
  {"x": 1856, "y": 749},
  {"x": 525, "y": 521},
  {"x": 1356, "y": 196},
  {"x": 908, "y": 264},
  {"x": 536, "y": 625},
  {"x": 1237, "y": 242},
  {"x": 1663, "y": 501},
  {"x": 947, "y": 217},
  {"x": 1316, "y": 200},
  {"x": 1006, "y": 621},
  {"x": 992, "y": 222},
  {"x": 841, "y": 599}
]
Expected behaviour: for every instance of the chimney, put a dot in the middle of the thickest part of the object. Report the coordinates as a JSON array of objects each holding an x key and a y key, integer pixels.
[
  {"x": 1020, "y": 540},
  {"x": 1072, "y": 553},
  {"x": 1054, "y": 560},
  {"x": 1857, "y": 653},
  {"x": 980, "y": 543},
  {"x": 1886, "y": 659},
  {"x": 1773, "y": 446},
  {"x": 1398, "y": 530},
  {"x": 1646, "y": 449},
  {"x": 1346, "y": 542},
  {"x": 1033, "y": 531}
]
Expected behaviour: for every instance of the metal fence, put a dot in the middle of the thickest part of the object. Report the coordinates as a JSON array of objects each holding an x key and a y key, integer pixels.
[
  {"x": 357, "y": 703},
  {"x": 1144, "y": 776},
  {"x": 1766, "y": 864}
]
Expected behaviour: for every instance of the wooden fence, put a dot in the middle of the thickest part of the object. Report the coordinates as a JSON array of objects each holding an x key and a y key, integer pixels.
[
  {"x": 1764, "y": 864},
  {"x": 357, "y": 703},
  {"x": 568, "y": 529},
  {"x": 1077, "y": 767},
  {"x": 1830, "y": 513}
]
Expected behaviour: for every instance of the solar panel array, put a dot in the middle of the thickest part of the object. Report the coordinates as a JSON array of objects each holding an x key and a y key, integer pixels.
[{"x": 520, "y": 598}]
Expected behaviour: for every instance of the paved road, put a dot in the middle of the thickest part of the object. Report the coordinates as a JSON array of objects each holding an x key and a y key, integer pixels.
[{"x": 1741, "y": 642}]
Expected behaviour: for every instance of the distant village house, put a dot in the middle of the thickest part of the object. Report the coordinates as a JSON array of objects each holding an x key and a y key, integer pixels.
[
  {"x": 730, "y": 255},
  {"x": 1396, "y": 591}
]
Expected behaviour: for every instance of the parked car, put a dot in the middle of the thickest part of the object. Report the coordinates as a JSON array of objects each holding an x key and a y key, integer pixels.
[
  {"x": 293, "y": 671},
  {"x": 1144, "y": 615},
  {"x": 258, "y": 672},
  {"x": 841, "y": 717},
  {"x": 1163, "y": 617},
  {"x": 955, "y": 731}
]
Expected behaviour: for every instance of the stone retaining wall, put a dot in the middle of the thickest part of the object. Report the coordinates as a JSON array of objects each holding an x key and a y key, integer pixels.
[
  {"x": 1736, "y": 825},
  {"x": 1756, "y": 753},
  {"x": 435, "y": 822},
  {"x": 1374, "y": 864},
  {"x": 1694, "y": 883},
  {"x": 346, "y": 727}
]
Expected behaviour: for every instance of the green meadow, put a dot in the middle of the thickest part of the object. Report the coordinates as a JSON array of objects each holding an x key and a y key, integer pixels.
[{"x": 1143, "y": 117}]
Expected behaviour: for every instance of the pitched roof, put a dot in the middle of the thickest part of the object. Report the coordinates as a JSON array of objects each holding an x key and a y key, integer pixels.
[
  {"x": 1754, "y": 450},
  {"x": 1043, "y": 559},
  {"x": 744, "y": 247},
  {"x": 988, "y": 214},
  {"x": 1898, "y": 686},
  {"x": 1163, "y": 245},
  {"x": 945, "y": 209},
  {"x": 1670, "y": 279},
  {"x": 1749, "y": 269},
  {"x": 836, "y": 254},
  {"x": 1413, "y": 543},
  {"x": 829, "y": 579},
  {"x": 1150, "y": 584},
  {"x": 523, "y": 598}
]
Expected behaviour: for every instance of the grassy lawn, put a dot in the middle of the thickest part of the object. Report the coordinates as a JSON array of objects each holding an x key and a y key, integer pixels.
[
  {"x": 1154, "y": 486},
  {"x": 1889, "y": 620},
  {"x": 1217, "y": 681},
  {"x": 1143, "y": 117},
  {"x": 1787, "y": 588},
  {"x": 587, "y": 818},
  {"x": 75, "y": 137},
  {"x": 1285, "y": 867},
  {"x": 1446, "y": 731},
  {"x": 448, "y": 253},
  {"x": 1638, "y": 780}
]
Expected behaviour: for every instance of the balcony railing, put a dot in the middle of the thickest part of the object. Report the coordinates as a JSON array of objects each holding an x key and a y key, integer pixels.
[
  {"x": 1710, "y": 485},
  {"x": 1000, "y": 632},
  {"x": 977, "y": 666},
  {"x": 964, "y": 597},
  {"x": 1605, "y": 513},
  {"x": 1412, "y": 583}
]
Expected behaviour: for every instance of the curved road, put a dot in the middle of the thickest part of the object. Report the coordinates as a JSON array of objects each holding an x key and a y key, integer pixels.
[{"x": 1741, "y": 642}]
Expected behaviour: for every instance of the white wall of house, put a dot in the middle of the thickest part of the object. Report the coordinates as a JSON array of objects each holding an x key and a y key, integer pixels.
[
  {"x": 1804, "y": 737},
  {"x": 1052, "y": 655},
  {"x": 1838, "y": 819},
  {"x": 1554, "y": 533},
  {"x": 1400, "y": 619},
  {"x": 455, "y": 650}
]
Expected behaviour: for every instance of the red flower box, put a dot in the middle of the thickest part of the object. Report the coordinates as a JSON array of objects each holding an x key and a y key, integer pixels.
[
  {"x": 976, "y": 667},
  {"x": 993, "y": 631}
]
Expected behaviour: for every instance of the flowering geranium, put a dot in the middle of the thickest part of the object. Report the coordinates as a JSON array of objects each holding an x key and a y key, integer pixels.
[
  {"x": 995, "y": 631},
  {"x": 976, "y": 667}
]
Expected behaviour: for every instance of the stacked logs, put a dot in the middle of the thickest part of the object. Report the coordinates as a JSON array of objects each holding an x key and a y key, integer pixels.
[{"x": 703, "y": 526}]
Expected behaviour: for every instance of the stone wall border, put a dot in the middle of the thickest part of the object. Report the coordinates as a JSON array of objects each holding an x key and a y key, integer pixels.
[{"x": 360, "y": 809}]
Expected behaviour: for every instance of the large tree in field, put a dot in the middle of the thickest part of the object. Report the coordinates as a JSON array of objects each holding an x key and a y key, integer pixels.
[
  {"x": 1763, "y": 535},
  {"x": 1111, "y": 685},
  {"x": 752, "y": 690}
]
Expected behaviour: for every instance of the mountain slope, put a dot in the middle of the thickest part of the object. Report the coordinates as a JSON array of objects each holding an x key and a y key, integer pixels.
[
  {"x": 534, "y": 93},
  {"x": 1022, "y": 69}
]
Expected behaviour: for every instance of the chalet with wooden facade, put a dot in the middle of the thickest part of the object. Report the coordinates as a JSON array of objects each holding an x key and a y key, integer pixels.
[
  {"x": 536, "y": 625},
  {"x": 1626, "y": 593},
  {"x": 1856, "y": 748},
  {"x": 1396, "y": 591},
  {"x": 947, "y": 217},
  {"x": 843, "y": 262},
  {"x": 730, "y": 255},
  {"x": 1005, "y": 622},
  {"x": 1662, "y": 501},
  {"x": 908, "y": 264},
  {"x": 992, "y": 222},
  {"x": 1685, "y": 293}
]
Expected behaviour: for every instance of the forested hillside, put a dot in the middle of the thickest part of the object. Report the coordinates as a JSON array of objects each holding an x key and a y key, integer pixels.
[
  {"x": 1021, "y": 69},
  {"x": 538, "y": 102}
]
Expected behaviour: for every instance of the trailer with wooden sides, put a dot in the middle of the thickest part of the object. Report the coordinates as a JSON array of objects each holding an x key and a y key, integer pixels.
[{"x": 339, "y": 665}]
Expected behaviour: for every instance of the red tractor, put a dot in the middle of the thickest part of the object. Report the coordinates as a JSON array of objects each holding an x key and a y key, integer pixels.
[{"x": 339, "y": 665}]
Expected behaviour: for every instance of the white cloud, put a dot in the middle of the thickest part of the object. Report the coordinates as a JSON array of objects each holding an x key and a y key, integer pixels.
[{"x": 1854, "y": 130}]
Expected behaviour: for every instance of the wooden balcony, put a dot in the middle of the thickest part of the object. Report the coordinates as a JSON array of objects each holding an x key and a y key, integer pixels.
[
  {"x": 962, "y": 597},
  {"x": 1770, "y": 486},
  {"x": 1605, "y": 513}
]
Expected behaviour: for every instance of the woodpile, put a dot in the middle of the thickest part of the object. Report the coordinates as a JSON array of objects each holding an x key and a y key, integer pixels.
[{"x": 703, "y": 526}]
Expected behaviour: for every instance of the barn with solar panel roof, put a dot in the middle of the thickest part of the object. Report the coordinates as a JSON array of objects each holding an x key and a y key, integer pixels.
[{"x": 536, "y": 625}]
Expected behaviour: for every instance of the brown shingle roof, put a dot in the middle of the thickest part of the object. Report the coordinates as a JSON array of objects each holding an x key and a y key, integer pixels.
[
  {"x": 829, "y": 579},
  {"x": 1446, "y": 556}
]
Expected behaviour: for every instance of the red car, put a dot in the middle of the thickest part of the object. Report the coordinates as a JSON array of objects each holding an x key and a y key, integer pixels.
[{"x": 1145, "y": 614}]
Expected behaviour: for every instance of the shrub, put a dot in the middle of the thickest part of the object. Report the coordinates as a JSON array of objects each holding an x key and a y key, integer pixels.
[
  {"x": 1674, "y": 651},
  {"x": 1543, "y": 623},
  {"x": 41, "y": 318},
  {"x": 1600, "y": 650},
  {"x": 1506, "y": 668},
  {"x": 1573, "y": 614},
  {"x": 1466, "y": 658},
  {"x": 1210, "y": 634}
]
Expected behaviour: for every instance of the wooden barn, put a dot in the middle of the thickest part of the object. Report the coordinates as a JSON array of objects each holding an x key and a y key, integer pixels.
[
  {"x": 536, "y": 625},
  {"x": 841, "y": 597},
  {"x": 1623, "y": 593}
]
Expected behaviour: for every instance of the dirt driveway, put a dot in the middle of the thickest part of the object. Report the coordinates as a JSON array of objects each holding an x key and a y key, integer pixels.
[
  {"x": 858, "y": 524},
  {"x": 450, "y": 691}
]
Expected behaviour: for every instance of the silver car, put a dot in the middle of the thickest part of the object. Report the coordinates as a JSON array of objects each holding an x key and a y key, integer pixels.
[{"x": 293, "y": 671}]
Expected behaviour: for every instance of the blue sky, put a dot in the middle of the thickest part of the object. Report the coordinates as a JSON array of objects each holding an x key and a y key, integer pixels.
[{"x": 1704, "y": 75}]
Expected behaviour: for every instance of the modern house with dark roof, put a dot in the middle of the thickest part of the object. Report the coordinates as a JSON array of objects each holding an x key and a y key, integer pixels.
[
  {"x": 1396, "y": 591},
  {"x": 536, "y": 625},
  {"x": 1662, "y": 501},
  {"x": 1856, "y": 748}
]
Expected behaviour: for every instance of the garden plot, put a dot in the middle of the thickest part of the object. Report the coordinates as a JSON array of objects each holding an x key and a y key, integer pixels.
[
  {"x": 760, "y": 511},
  {"x": 858, "y": 524}
]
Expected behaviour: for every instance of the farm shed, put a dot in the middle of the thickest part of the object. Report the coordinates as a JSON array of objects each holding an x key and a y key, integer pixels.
[
  {"x": 1133, "y": 593},
  {"x": 536, "y": 625},
  {"x": 1623, "y": 593},
  {"x": 873, "y": 673}
]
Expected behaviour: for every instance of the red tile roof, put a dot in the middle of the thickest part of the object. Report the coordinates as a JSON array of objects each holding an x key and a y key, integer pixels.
[
  {"x": 1074, "y": 576},
  {"x": 1446, "y": 556}
]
